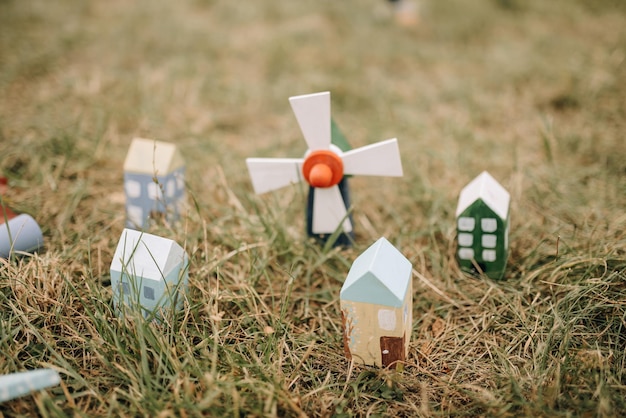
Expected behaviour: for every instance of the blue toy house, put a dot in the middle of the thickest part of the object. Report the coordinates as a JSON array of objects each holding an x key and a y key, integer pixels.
[
  {"x": 483, "y": 227},
  {"x": 154, "y": 182}
]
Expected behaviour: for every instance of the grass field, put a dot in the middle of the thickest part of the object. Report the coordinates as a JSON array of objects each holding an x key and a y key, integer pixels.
[{"x": 532, "y": 91}]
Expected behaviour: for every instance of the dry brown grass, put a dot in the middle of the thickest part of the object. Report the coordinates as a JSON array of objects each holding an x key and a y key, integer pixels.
[{"x": 531, "y": 91}]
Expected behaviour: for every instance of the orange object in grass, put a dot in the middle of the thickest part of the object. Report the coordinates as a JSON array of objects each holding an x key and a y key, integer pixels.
[{"x": 322, "y": 168}]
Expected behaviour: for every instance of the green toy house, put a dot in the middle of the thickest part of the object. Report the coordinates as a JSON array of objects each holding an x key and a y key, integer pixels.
[{"x": 482, "y": 222}]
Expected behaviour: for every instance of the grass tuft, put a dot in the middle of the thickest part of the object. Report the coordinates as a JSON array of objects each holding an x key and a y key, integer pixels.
[{"x": 530, "y": 91}]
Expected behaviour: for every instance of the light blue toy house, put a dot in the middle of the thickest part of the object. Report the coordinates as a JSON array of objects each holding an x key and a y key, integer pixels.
[
  {"x": 154, "y": 182},
  {"x": 148, "y": 272},
  {"x": 376, "y": 306},
  {"x": 482, "y": 221}
]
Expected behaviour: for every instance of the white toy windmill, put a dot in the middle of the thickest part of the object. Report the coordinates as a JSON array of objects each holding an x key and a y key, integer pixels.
[{"x": 324, "y": 165}]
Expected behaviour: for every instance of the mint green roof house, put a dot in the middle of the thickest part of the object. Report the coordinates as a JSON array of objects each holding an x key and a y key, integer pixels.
[
  {"x": 482, "y": 222},
  {"x": 148, "y": 272},
  {"x": 376, "y": 306}
]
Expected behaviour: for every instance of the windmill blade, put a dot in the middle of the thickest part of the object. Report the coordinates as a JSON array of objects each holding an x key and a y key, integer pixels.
[
  {"x": 379, "y": 159},
  {"x": 313, "y": 114},
  {"x": 273, "y": 173},
  {"x": 329, "y": 211}
]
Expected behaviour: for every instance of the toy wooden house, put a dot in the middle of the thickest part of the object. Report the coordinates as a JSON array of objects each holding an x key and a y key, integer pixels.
[
  {"x": 148, "y": 272},
  {"x": 482, "y": 220},
  {"x": 376, "y": 306},
  {"x": 154, "y": 182}
]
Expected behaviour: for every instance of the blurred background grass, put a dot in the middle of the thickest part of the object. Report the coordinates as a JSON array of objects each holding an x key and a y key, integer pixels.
[{"x": 532, "y": 91}]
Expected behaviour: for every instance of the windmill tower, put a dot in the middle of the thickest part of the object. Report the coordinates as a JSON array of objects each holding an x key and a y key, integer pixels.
[{"x": 324, "y": 165}]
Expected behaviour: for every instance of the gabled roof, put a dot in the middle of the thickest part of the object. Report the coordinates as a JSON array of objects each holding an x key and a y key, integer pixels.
[
  {"x": 380, "y": 275},
  {"x": 487, "y": 189},
  {"x": 146, "y": 255},
  {"x": 152, "y": 157}
]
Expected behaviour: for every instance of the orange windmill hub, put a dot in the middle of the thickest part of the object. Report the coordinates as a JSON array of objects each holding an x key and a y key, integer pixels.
[{"x": 322, "y": 168}]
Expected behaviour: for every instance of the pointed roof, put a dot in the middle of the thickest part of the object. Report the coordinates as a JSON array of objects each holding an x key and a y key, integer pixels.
[
  {"x": 380, "y": 275},
  {"x": 152, "y": 157},
  {"x": 146, "y": 255},
  {"x": 487, "y": 189}
]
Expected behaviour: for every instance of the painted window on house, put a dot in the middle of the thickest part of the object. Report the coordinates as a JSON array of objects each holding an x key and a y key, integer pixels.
[
  {"x": 154, "y": 191},
  {"x": 171, "y": 188},
  {"x": 466, "y": 240},
  {"x": 133, "y": 188},
  {"x": 489, "y": 255},
  {"x": 148, "y": 292},
  {"x": 466, "y": 224},
  {"x": 135, "y": 214},
  {"x": 125, "y": 288},
  {"x": 466, "y": 253},
  {"x": 489, "y": 241},
  {"x": 180, "y": 180},
  {"x": 488, "y": 224},
  {"x": 387, "y": 319}
]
